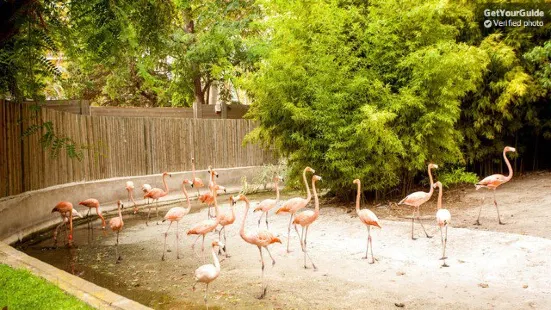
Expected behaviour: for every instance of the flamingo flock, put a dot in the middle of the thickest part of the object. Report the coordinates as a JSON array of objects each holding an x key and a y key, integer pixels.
[{"x": 263, "y": 238}]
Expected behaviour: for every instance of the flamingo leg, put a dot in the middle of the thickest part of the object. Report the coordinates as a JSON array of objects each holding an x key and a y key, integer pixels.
[
  {"x": 56, "y": 231},
  {"x": 300, "y": 236},
  {"x": 148, "y": 214},
  {"x": 444, "y": 243},
  {"x": 289, "y": 233},
  {"x": 370, "y": 244},
  {"x": 225, "y": 243},
  {"x": 203, "y": 249},
  {"x": 177, "y": 240},
  {"x": 119, "y": 257},
  {"x": 89, "y": 220},
  {"x": 367, "y": 244},
  {"x": 220, "y": 238},
  {"x": 478, "y": 218},
  {"x": 264, "y": 287},
  {"x": 306, "y": 249},
  {"x": 267, "y": 220},
  {"x": 205, "y": 298},
  {"x": 166, "y": 235},
  {"x": 193, "y": 245},
  {"x": 495, "y": 203},
  {"x": 419, "y": 220},
  {"x": 273, "y": 260},
  {"x": 260, "y": 218},
  {"x": 157, "y": 210}
]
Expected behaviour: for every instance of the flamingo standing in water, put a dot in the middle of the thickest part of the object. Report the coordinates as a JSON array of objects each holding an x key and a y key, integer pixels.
[
  {"x": 204, "y": 227},
  {"x": 443, "y": 218},
  {"x": 155, "y": 194},
  {"x": 259, "y": 237},
  {"x": 116, "y": 225},
  {"x": 208, "y": 273},
  {"x": 494, "y": 181},
  {"x": 226, "y": 219},
  {"x": 66, "y": 210},
  {"x": 294, "y": 204},
  {"x": 368, "y": 218},
  {"x": 305, "y": 218},
  {"x": 416, "y": 199},
  {"x": 196, "y": 182},
  {"x": 145, "y": 189},
  {"x": 130, "y": 190},
  {"x": 267, "y": 204},
  {"x": 92, "y": 203},
  {"x": 175, "y": 215}
]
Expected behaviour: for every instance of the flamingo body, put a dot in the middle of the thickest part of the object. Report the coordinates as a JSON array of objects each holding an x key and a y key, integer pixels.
[
  {"x": 369, "y": 218},
  {"x": 92, "y": 203},
  {"x": 443, "y": 217}
]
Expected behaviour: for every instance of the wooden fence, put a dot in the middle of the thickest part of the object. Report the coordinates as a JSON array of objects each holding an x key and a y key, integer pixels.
[
  {"x": 115, "y": 146},
  {"x": 82, "y": 107}
]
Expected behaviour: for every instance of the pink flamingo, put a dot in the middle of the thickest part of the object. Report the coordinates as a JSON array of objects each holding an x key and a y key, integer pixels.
[
  {"x": 416, "y": 199},
  {"x": 494, "y": 181},
  {"x": 443, "y": 218},
  {"x": 259, "y": 237},
  {"x": 305, "y": 218},
  {"x": 294, "y": 204},
  {"x": 204, "y": 227},
  {"x": 209, "y": 272},
  {"x": 155, "y": 194},
  {"x": 145, "y": 189},
  {"x": 226, "y": 220},
  {"x": 130, "y": 190},
  {"x": 267, "y": 204},
  {"x": 66, "y": 211},
  {"x": 175, "y": 215},
  {"x": 196, "y": 182},
  {"x": 116, "y": 225},
  {"x": 368, "y": 218},
  {"x": 92, "y": 203},
  {"x": 208, "y": 198}
]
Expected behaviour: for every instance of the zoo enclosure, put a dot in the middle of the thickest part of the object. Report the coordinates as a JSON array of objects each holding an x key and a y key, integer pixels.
[{"x": 115, "y": 146}]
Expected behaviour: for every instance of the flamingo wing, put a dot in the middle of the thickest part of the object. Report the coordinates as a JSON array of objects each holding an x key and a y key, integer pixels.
[
  {"x": 206, "y": 273},
  {"x": 292, "y": 204},
  {"x": 369, "y": 218},
  {"x": 154, "y": 193},
  {"x": 415, "y": 199},
  {"x": 265, "y": 205},
  {"x": 492, "y": 181},
  {"x": 175, "y": 214},
  {"x": 202, "y": 227}
]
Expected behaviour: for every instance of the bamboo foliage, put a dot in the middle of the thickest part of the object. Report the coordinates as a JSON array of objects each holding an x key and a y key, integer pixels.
[{"x": 115, "y": 146}]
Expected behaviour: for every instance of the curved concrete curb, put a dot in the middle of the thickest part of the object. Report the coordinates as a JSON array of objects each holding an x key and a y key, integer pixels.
[
  {"x": 96, "y": 296},
  {"x": 30, "y": 212}
]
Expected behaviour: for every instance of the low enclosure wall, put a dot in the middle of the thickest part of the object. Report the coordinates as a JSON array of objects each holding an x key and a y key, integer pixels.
[
  {"x": 29, "y": 212},
  {"x": 113, "y": 146}
]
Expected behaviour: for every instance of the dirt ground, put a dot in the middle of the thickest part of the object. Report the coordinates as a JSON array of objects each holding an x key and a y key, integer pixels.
[{"x": 491, "y": 266}]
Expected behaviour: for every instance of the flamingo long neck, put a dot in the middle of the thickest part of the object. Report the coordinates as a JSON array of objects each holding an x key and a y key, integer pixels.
[
  {"x": 439, "y": 197},
  {"x": 242, "y": 230},
  {"x": 431, "y": 190},
  {"x": 309, "y": 196},
  {"x": 187, "y": 197},
  {"x": 510, "y": 176},
  {"x": 215, "y": 259},
  {"x": 316, "y": 200},
  {"x": 277, "y": 190},
  {"x": 166, "y": 185},
  {"x": 358, "y": 195},
  {"x": 120, "y": 212}
]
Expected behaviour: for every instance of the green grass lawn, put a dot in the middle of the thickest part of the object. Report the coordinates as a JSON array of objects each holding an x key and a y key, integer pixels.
[{"x": 19, "y": 289}]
